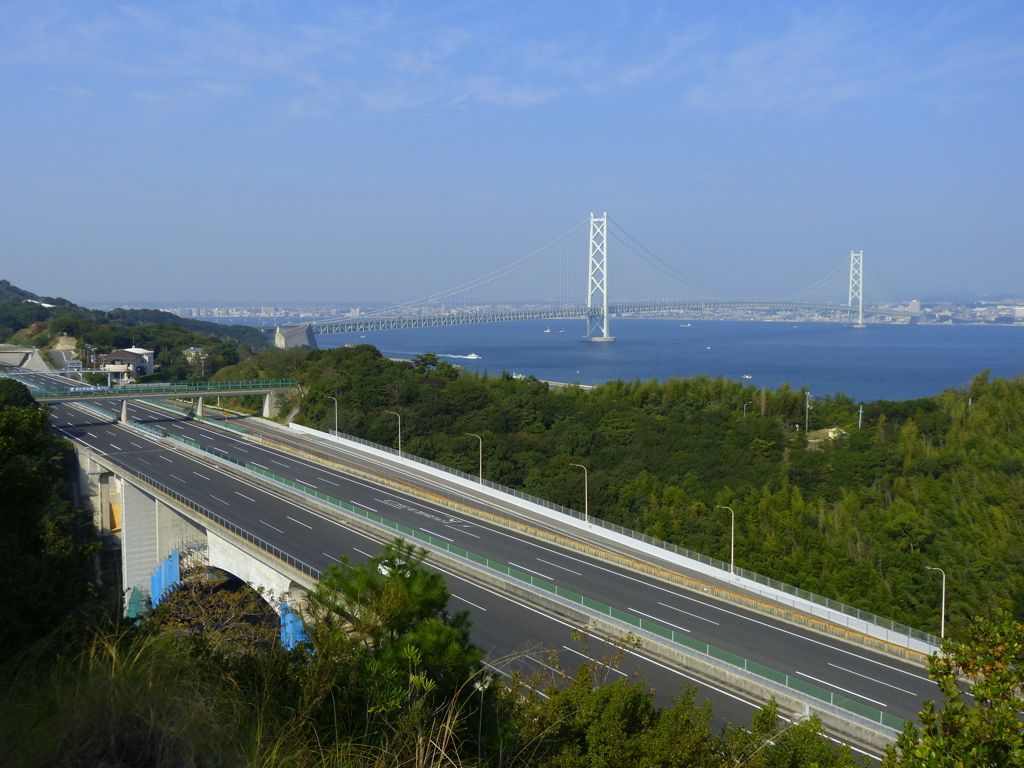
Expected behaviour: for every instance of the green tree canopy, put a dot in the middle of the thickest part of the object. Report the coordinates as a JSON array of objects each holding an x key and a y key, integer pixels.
[
  {"x": 15, "y": 394},
  {"x": 982, "y": 682}
]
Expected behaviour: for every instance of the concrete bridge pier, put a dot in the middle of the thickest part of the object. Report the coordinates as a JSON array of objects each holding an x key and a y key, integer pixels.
[
  {"x": 148, "y": 527},
  {"x": 124, "y": 411},
  {"x": 150, "y": 530},
  {"x": 199, "y": 407}
]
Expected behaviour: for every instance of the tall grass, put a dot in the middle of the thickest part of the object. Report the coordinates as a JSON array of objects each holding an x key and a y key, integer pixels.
[
  {"x": 127, "y": 698},
  {"x": 123, "y": 699}
]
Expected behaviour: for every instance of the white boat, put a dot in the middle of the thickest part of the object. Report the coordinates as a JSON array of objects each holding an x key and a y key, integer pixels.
[
  {"x": 472, "y": 356},
  {"x": 746, "y": 376},
  {"x": 548, "y": 329},
  {"x": 684, "y": 325}
]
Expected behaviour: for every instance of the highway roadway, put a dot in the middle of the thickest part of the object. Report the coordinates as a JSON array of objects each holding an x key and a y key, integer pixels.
[
  {"x": 319, "y": 541},
  {"x": 893, "y": 686}
]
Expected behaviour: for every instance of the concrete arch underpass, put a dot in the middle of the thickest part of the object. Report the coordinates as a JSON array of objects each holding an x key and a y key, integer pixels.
[{"x": 150, "y": 525}]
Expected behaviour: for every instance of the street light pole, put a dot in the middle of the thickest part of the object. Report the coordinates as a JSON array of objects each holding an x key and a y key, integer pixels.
[
  {"x": 745, "y": 407},
  {"x": 396, "y": 413},
  {"x": 481, "y": 455},
  {"x": 732, "y": 539},
  {"x": 586, "y": 492},
  {"x": 942, "y": 626},
  {"x": 335, "y": 413},
  {"x": 807, "y": 413}
]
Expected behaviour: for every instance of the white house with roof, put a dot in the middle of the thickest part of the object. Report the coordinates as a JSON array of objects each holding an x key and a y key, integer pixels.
[{"x": 127, "y": 364}]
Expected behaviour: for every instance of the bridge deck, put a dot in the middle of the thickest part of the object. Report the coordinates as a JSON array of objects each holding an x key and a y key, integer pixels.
[
  {"x": 191, "y": 389},
  {"x": 364, "y": 324}
]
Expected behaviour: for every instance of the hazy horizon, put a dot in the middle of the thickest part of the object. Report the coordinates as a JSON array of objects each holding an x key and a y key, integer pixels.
[{"x": 219, "y": 152}]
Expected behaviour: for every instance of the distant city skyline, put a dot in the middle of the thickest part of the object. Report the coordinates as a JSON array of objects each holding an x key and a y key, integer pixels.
[{"x": 372, "y": 152}]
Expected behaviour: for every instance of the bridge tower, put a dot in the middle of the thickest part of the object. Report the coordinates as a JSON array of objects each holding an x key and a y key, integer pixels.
[
  {"x": 857, "y": 285},
  {"x": 598, "y": 281}
]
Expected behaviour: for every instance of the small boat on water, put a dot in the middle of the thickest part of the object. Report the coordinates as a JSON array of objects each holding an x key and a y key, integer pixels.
[
  {"x": 548, "y": 329},
  {"x": 685, "y": 325},
  {"x": 472, "y": 356},
  {"x": 746, "y": 376}
]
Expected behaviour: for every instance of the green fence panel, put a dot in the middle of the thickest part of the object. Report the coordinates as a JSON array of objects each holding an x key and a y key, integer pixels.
[
  {"x": 656, "y": 629},
  {"x": 594, "y": 605},
  {"x": 810, "y": 689},
  {"x": 763, "y": 671},
  {"x": 568, "y": 594},
  {"x": 629, "y": 618},
  {"x": 892, "y": 721},
  {"x": 729, "y": 658},
  {"x": 860, "y": 709},
  {"x": 519, "y": 575}
]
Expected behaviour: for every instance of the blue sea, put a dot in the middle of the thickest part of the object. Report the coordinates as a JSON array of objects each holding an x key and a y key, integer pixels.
[{"x": 879, "y": 362}]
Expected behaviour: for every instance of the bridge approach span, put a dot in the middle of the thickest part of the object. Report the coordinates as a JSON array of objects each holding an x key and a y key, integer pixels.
[
  {"x": 364, "y": 324},
  {"x": 305, "y": 537}
]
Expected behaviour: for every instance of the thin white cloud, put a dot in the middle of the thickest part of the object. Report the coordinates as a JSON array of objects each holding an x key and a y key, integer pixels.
[
  {"x": 817, "y": 62},
  {"x": 74, "y": 92},
  {"x": 428, "y": 60},
  {"x": 390, "y": 57},
  {"x": 655, "y": 65},
  {"x": 491, "y": 90},
  {"x": 398, "y": 97}
]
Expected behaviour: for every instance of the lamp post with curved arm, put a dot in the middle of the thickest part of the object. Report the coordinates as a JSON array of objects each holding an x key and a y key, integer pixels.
[
  {"x": 586, "y": 492},
  {"x": 732, "y": 539},
  {"x": 335, "y": 413},
  {"x": 942, "y": 625},
  {"x": 481, "y": 455},
  {"x": 396, "y": 413}
]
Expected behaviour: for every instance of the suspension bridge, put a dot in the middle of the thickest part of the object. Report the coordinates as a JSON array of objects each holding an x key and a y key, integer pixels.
[{"x": 570, "y": 278}]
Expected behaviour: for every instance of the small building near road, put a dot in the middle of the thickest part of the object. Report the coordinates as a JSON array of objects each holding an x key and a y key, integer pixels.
[{"x": 127, "y": 364}]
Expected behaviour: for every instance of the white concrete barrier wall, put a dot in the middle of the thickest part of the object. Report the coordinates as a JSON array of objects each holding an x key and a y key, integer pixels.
[{"x": 748, "y": 586}]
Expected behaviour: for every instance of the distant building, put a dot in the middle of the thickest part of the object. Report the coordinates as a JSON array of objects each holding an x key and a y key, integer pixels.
[
  {"x": 127, "y": 364},
  {"x": 291, "y": 336},
  {"x": 193, "y": 353}
]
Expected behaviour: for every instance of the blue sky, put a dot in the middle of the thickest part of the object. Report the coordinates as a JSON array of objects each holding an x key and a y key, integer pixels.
[{"x": 289, "y": 152}]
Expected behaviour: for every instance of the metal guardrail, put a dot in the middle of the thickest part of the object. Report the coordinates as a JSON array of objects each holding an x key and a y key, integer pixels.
[
  {"x": 227, "y": 524},
  {"x": 788, "y": 681},
  {"x": 802, "y": 594},
  {"x": 773, "y": 584},
  {"x": 143, "y": 390}
]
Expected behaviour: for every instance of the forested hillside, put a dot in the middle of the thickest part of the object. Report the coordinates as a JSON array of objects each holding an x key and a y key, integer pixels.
[
  {"x": 930, "y": 482},
  {"x": 47, "y": 550},
  {"x": 387, "y": 677},
  {"x": 23, "y": 312},
  {"x": 26, "y": 318}
]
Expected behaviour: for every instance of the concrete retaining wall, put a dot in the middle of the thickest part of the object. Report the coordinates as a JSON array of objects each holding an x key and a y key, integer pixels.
[
  {"x": 641, "y": 556},
  {"x": 840, "y": 722}
]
